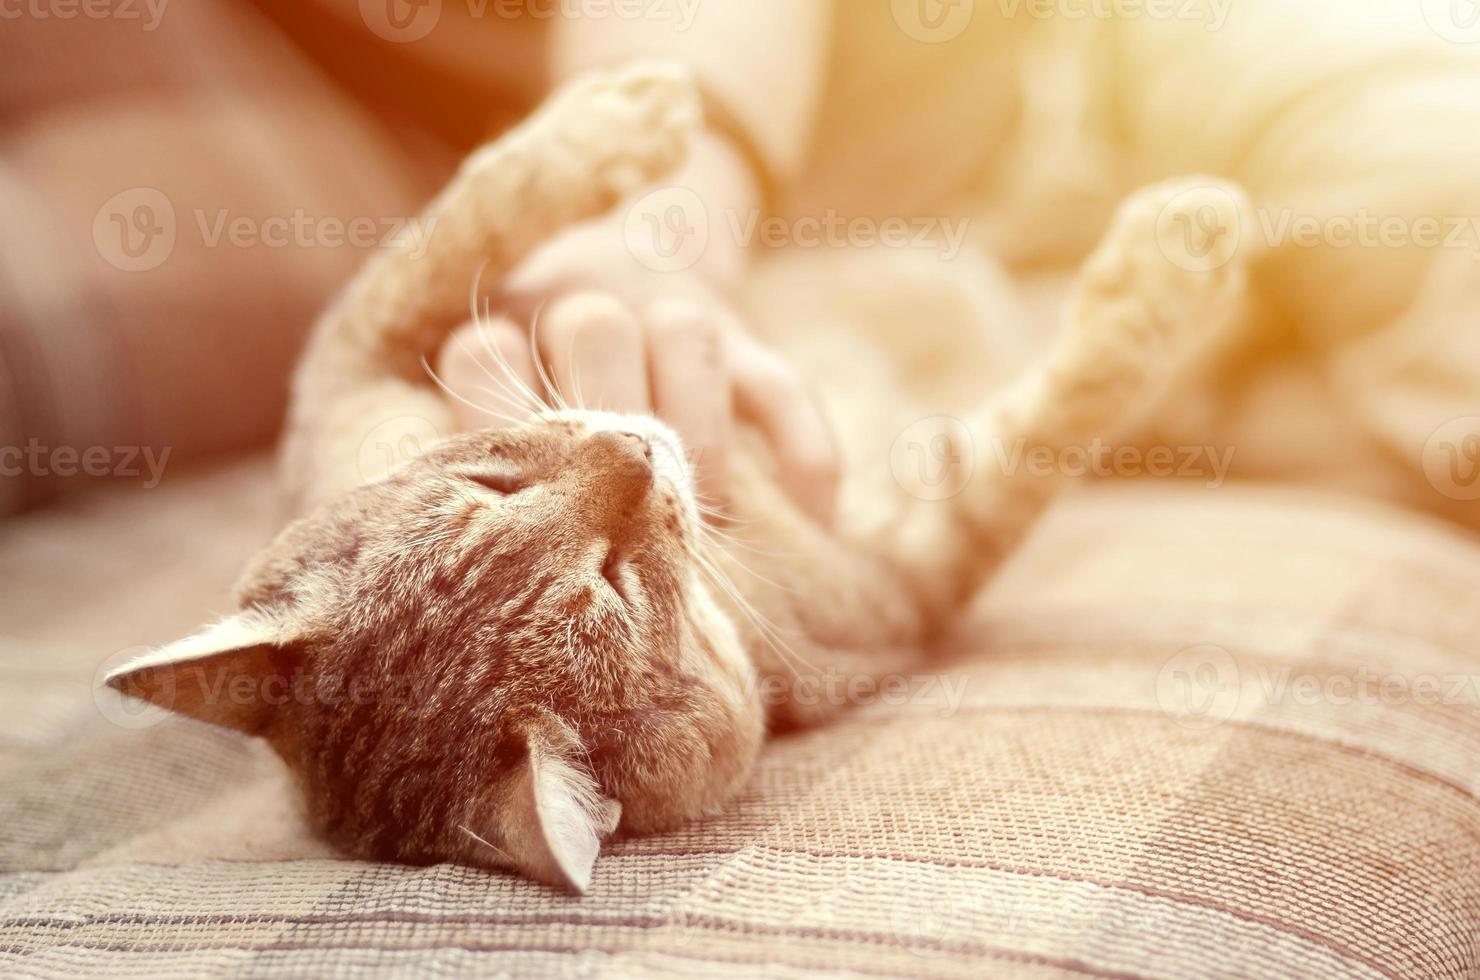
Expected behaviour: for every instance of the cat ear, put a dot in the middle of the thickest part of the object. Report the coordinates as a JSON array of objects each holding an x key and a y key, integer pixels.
[
  {"x": 555, "y": 818},
  {"x": 235, "y": 673}
]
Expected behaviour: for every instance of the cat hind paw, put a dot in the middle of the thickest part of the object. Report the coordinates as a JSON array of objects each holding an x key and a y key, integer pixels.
[
  {"x": 1179, "y": 251},
  {"x": 1200, "y": 225}
]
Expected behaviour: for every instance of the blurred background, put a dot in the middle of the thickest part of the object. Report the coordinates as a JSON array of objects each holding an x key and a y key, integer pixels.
[
  {"x": 185, "y": 185},
  {"x": 130, "y": 313}
]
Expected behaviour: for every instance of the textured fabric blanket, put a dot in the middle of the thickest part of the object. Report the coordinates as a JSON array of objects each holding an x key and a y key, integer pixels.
[{"x": 1189, "y": 734}]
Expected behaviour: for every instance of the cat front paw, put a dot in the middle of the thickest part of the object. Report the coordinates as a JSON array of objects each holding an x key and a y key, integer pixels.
[
  {"x": 649, "y": 95},
  {"x": 614, "y": 129},
  {"x": 645, "y": 113}
]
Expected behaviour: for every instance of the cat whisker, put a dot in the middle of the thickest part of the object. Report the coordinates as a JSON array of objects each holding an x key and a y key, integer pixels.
[
  {"x": 534, "y": 404},
  {"x": 729, "y": 539},
  {"x": 793, "y": 661},
  {"x": 575, "y": 375},
  {"x": 767, "y": 630},
  {"x": 761, "y": 578},
  {"x": 481, "y": 409},
  {"x": 503, "y": 397},
  {"x": 723, "y": 517},
  {"x": 551, "y": 391},
  {"x": 515, "y": 391},
  {"x": 502, "y": 854}
]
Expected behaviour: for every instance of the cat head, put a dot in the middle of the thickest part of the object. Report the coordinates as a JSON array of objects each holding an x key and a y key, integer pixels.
[{"x": 493, "y": 656}]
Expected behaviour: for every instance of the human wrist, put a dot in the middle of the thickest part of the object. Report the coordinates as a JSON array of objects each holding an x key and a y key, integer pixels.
[{"x": 731, "y": 191}]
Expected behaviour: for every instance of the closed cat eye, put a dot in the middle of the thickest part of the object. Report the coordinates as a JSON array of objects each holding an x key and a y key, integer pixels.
[
  {"x": 611, "y": 570},
  {"x": 500, "y": 483}
]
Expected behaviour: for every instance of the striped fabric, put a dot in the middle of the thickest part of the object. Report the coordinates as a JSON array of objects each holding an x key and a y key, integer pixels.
[{"x": 1190, "y": 734}]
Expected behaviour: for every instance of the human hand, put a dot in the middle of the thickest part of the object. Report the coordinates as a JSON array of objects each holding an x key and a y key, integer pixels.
[{"x": 608, "y": 333}]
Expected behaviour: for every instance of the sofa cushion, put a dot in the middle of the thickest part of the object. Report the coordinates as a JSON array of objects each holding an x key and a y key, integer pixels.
[{"x": 1190, "y": 733}]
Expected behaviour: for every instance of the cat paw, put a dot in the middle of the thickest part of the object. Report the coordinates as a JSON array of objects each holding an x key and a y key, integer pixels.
[
  {"x": 1193, "y": 226},
  {"x": 1199, "y": 223},
  {"x": 1179, "y": 249},
  {"x": 634, "y": 123},
  {"x": 615, "y": 129},
  {"x": 649, "y": 96}
]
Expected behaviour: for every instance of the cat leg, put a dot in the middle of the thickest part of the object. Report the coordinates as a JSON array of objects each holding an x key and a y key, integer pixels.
[
  {"x": 826, "y": 621},
  {"x": 1167, "y": 280},
  {"x": 362, "y": 380}
]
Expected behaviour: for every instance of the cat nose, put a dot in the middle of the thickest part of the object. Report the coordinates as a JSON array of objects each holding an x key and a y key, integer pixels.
[
  {"x": 629, "y": 445},
  {"x": 639, "y": 443},
  {"x": 622, "y": 461}
]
